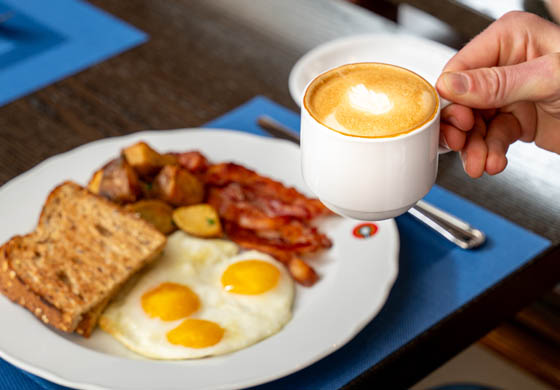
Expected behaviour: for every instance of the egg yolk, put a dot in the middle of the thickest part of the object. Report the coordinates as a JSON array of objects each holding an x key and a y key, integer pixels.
[
  {"x": 195, "y": 333},
  {"x": 250, "y": 277},
  {"x": 170, "y": 302}
]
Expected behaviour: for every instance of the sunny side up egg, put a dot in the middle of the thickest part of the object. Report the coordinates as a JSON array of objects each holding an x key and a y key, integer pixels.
[{"x": 201, "y": 298}]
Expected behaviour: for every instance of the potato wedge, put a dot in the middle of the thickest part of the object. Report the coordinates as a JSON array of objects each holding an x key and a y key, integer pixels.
[
  {"x": 119, "y": 182},
  {"x": 95, "y": 181},
  {"x": 169, "y": 159},
  {"x": 177, "y": 186},
  {"x": 156, "y": 212},
  {"x": 143, "y": 159},
  {"x": 200, "y": 220}
]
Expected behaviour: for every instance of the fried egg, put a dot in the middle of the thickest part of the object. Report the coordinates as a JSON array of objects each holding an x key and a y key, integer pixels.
[{"x": 201, "y": 298}]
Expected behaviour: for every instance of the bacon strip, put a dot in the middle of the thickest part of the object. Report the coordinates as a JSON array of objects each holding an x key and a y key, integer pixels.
[
  {"x": 302, "y": 272},
  {"x": 263, "y": 214},
  {"x": 235, "y": 203},
  {"x": 294, "y": 238},
  {"x": 264, "y": 188},
  {"x": 194, "y": 161}
]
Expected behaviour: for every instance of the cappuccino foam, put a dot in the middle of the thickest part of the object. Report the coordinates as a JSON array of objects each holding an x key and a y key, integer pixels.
[{"x": 371, "y": 100}]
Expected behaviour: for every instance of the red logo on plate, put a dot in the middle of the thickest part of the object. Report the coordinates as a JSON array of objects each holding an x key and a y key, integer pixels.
[{"x": 365, "y": 230}]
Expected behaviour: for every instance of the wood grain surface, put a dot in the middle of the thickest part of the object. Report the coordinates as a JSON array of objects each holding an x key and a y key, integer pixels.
[
  {"x": 201, "y": 62},
  {"x": 530, "y": 351}
]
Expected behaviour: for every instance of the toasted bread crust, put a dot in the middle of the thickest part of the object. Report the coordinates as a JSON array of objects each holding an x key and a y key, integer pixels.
[
  {"x": 89, "y": 319},
  {"x": 14, "y": 288},
  {"x": 83, "y": 249}
]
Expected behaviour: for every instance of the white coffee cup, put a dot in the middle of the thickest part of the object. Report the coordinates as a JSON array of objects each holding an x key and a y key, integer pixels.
[{"x": 369, "y": 178}]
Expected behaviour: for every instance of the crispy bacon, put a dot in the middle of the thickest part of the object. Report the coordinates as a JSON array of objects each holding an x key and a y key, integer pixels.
[
  {"x": 303, "y": 238},
  {"x": 263, "y": 214},
  {"x": 294, "y": 237},
  {"x": 302, "y": 272},
  {"x": 287, "y": 254},
  {"x": 194, "y": 161},
  {"x": 235, "y": 204},
  {"x": 278, "y": 198},
  {"x": 248, "y": 240}
]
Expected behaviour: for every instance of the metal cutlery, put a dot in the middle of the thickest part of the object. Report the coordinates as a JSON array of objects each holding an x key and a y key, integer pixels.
[{"x": 452, "y": 228}]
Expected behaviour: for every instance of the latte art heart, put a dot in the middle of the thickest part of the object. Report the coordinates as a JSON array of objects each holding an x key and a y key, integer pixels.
[{"x": 367, "y": 100}]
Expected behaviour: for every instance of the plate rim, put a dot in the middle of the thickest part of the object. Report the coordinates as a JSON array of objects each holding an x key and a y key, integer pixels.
[{"x": 58, "y": 379}]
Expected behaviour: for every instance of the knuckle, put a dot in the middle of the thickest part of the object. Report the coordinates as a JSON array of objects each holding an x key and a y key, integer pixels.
[
  {"x": 494, "y": 83},
  {"x": 517, "y": 17},
  {"x": 540, "y": 143},
  {"x": 509, "y": 128},
  {"x": 553, "y": 61}
]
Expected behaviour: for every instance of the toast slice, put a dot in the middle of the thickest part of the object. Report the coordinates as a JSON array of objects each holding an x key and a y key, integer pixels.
[
  {"x": 83, "y": 249},
  {"x": 90, "y": 319}
]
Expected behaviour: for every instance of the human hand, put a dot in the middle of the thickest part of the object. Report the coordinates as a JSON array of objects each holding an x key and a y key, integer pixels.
[{"x": 505, "y": 86}]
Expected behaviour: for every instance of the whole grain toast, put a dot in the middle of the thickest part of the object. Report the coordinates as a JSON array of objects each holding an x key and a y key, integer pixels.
[{"x": 83, "y": 249}]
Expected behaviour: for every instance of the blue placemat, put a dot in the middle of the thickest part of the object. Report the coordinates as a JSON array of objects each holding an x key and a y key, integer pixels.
[
  {"x": 46, "y": 40},
  {"x": 435, "y": 277}
]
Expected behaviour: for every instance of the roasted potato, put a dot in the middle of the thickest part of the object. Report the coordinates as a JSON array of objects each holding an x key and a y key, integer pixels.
[
  {"x": 156, "y": 212},
  {"x": 199, "y": 220},
  {"x": 177, "y": 186},
  {"x": 169, "y": 159},
  {"x": 95, "y": 181},
  {"x": 119, "y": 182},
  {"x": 145, "y": 160}
]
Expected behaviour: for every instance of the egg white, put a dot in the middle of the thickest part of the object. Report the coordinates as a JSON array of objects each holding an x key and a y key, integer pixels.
[{"x": 199, "y": 264}]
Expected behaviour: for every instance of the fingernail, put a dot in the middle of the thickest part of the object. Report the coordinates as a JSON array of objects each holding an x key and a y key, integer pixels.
[
  {"x": 463, "y": 156},
  {"x": 452, "y": 120},
  {"x": 458, "y": 83},
  {"x": 443, "y": 141}
]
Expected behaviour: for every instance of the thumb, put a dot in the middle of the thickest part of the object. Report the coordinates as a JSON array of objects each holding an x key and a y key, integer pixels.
[{"x": 495, "y": 87}]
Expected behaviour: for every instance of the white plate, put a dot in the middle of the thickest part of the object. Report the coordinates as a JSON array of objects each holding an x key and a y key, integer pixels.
[
  {"x": 425, "y": 57},
  {"x": 356, "y": 277}
]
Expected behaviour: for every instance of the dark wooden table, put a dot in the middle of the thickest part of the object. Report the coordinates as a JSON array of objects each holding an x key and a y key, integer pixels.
[{"x": 203, "y": 60}]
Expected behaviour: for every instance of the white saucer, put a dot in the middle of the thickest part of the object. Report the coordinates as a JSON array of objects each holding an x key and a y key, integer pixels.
[{"x": 425, "y": 57}]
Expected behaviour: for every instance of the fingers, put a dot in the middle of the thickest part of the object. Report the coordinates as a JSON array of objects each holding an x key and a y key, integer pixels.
[
  {"x": 459, "y": 116},
  {"x": 504, "y": 130},
  {"x": 512, "y": 39},
  {"x": 510, "y": 75},
  {"x": 548, "y": 134},
  {"x": 488, "y": 114},
  {"x": 486, "y": 146},
  {"x": 451, "y": 137},
  {"x": 475, "y": 152},
  {"x": 526, "y": 114},
  {"x": 488, "y": 88},
  {"x": 484, "y": 50},
  {"x": 455, "y": 121}
]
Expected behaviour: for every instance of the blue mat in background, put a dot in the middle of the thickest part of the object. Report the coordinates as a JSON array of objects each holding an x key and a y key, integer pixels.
[
  {"x": 435, "y": 277},
  {"x": 46, "y": 40}
]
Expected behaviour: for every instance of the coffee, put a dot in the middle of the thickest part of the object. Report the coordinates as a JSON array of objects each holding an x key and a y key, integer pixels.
[{"x": 371, "y": 100}]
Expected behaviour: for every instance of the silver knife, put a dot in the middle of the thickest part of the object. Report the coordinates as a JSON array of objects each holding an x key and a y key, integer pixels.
[{"x": 452, "y": 228}]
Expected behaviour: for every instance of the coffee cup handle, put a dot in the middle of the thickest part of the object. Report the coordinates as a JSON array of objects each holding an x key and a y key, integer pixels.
[{"x": 444, "y": 103}]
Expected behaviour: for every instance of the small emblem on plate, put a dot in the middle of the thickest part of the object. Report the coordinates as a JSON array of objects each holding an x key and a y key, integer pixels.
[{"x": 365, "y": 230}]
